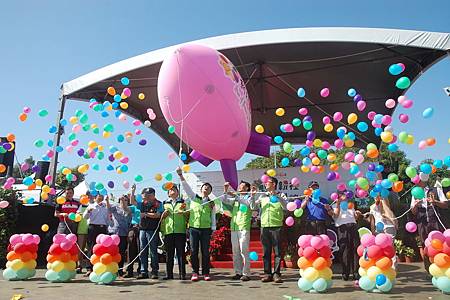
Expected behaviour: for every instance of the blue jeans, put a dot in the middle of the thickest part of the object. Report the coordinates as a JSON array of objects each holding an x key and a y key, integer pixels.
[
  {"x": 144, "y": 237},
  {"x": 199, "y": 238}
]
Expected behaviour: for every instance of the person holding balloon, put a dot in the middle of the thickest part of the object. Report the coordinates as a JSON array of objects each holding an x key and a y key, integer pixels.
[
  {"x": 202, "y": 222},
  {"x": 424, "y": 202},
  {"x": 63, "y": 210},
  {"x": 82, "y": 232},
  {"x": 272, "y": 205},
  {"x": 317, "y": 209},
  {"x": 241, "y": 219},
  {"x": 133, "y": 237},
  {"x": 173, "y": 227},
  {"x": 381, "y": 217},
  {"x": 345, "y": 216}
]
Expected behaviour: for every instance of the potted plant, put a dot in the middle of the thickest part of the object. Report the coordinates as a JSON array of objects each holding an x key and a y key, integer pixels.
[
  {"x": 400, "y": 250},
  {"x": 409, "y": 254},
  {"x": 291, "y": 257}
]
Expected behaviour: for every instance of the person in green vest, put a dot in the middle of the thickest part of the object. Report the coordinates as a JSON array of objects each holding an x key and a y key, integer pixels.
[
  {"x": 202, "y": 222},
  {"x": 173, "y": 227},
  {"x": 241, "y": 218},
  {"x": 272, "y": 205}
]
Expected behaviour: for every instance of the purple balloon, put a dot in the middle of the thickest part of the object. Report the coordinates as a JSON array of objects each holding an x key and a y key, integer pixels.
[
  {"x": 297, "y": 162},
  {"x": 7, "y": 146},
  {"x": 357, "y": 98},
  {"x": 307, "y": 118},
  {"x": 349, "y": 194},
  {"x": 298, "y": 202},
  {"x": 311, "y": 135},
  {"x": 110, "y": 184},
  {"x": 80, "y": 152},
  {"x": 371, "y": 167},
  {"x": 142, "y": 142},
  {"x": 331, "y": 176},
  {"x": 111, "y": 158},
  {"x": 35, "y": 168}
]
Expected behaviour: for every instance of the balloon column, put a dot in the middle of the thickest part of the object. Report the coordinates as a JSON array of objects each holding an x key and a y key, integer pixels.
[
  {"x": 21, "y": 263},
  {"x": 438, "y": 250},
  {"x": 62, "y": 258},
  {"x": 105, "y": 259},
  {"x": 376, "y": 253},
  {"x": 314, "y": 263}
]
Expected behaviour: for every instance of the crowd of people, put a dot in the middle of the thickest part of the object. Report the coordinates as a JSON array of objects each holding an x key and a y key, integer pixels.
[{"x": 139, "y": 220}]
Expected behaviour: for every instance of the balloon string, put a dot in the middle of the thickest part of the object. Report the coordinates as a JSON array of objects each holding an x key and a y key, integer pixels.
[{"x": 437, "y": 216}]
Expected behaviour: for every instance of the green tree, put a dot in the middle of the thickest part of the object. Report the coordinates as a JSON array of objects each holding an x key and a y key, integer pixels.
[{"x": 62, "y": 182}]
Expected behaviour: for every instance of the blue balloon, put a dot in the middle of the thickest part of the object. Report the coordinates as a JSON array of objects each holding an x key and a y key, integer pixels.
[
  {"x": 94, "y": 192},
  {"x": 351, "y": 135},
  {"x": 59, "y": 149},
  {"x": 301, "y": 92},
  {"x": 183, "y": 156},
  {"x": 386, "y": 287},
  {"x": 392, "y": 147},
  {"x": 52, "y": 129},
  {"x": 104, "y": 192},
  {"x": 92, "y": 185},
  {"x": 63, "y": 122},
  {"x": 438, "y": 163},
  {"x": 384, "y": 193},
  {"x": 340, "y": 133},
  {"x": 395, "y": 69},
  {"x": 447, "y": 161},
  {"x": 428, "y": 113},
  {"x": 45, "y": 157},
  {"x": 304, "y": 285},
  {"x": 443, "y": 283},
  {"x": 320, "y": 285},
  {"x": 50, "y": 143},
  {"x": 124, "y": 168},
  {"x": 351, "y": 92},
  {"x": 305, "y": 151},
  {"x": 253, "y": 256},
  {"x": 306, "y": 161},
  {"x": 387, "y": 184},
  {"x": 378, "y": 131},
  {"x": 377, "y": 187},
  {"x": 115, "y": 105},
  {"x": 354, "y": 170},
  {"x": 380, "y": 279},
  {"x": 282, "y": 128},
  {"x": 104, "y": 114},
  {"x": 316, "y": 193},
  {"x": 278, "y": 139},
  {"x": 378, "y": 118},
  {"x": 113, "y": 149},
  {"x": 120, "y": 138},
  {"x": 373, "y": 193},
  {"x": 315, "y": 201},
  {"x": 344, "y": 205},
  {"x": 117, "y": 113},
  {"x": 362, "y": 126},
  {"x": 379, "y": 168},
  {"x": 371, "y": 176},
  {"x": 109, "y": 167},
  {"x": 426, "y": 168},
  {"x": 139, "y": 198},
  {"x": 285, "y": 162},
  {"x": 379, "y": 227},
  {"x": 125, "y": 80},
  {"x": 366, "y": 284},
  {"x": 117, "y": 98},
  {"x": 273, "y": 199}
]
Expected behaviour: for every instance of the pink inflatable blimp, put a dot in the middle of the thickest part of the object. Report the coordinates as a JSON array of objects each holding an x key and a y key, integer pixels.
[{"x": 203, "y": 96}]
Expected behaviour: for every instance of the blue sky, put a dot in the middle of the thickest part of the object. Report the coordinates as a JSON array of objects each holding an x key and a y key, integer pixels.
[{"x": 46, "y": 43}]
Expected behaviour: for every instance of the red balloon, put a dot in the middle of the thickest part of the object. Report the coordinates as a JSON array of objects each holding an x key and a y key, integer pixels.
[
  {"x": 360, "y": 250},
  {"x": 113, "y": 250},
  {"x": 300, "y": 251},
  {"x": 55, "y": 250},
  {"x": 446, "y": 249},
  {"x": 99, "y": 250},
  {"x": 325, "y": 252},
  {"x": 73, "y": 250},
  {"x": 389, "y": 252},
  {"x": 374, "y": 252},
  {"x": 310, "y": 253},
  {"x": 431, "y": 252},
  {"x": 21, "y": 248}
]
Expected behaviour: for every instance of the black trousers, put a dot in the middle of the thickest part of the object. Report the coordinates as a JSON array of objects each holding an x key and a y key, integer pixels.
[
  {"x": 133, "y": 249},
  {"x": 123, "y": 252},
  {"x": 348, "y": 242},
  {"x": 175, "y": 241},
  {"x": 316, "y": 227},
  {"x": 271, "y": 238},
  {"x": 93, "y": 232},
  {"x": 424, "y": 229},
  {"x": 200, "y": 237}
]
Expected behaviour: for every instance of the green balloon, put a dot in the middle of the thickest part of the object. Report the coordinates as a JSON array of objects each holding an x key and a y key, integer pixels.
[
  {"x": 445, "y": 182},
  {"x": 99, "y": 186},
  {"x": 411, "y": 172},
  {"x": 100, "y": 155},
  {"x": 86, "y": 127},
  {"x": 307, "y": 125},
  {"x": 171, "y": 129},
  {"x": 168, "y": 176},
  {"x": 243, "y": 208},
  {"x": 108, "y": 127},
  {"x": 84, "y": 119},
  {"x": 362, "y": 182},
  {"x": 39, "y": 143},
  {"x": 138, "y": 178},
  {"x": 287, "y": 147},
  {"x": 393, "y": 177},
  {"x": 96, "y": 130},
  {"x": 72, "y": 136},
  {"x": 2, "y": 150},
  {"x": 296, "y": 122},
  {"x": 322, "y": 154},
  {"x": 98, "y": 107},
  {"x": 352, "y": 183},
  {"x": 298, "y": 212},
  {"x": 69, "y": 177},
  {"x": 363, "y": 230},
  {"x": 43, "y": 113},
  {"x": 418, "y": 192},
  {"x": 78, "y": 113},
  {"x": 403, "y": 83}
]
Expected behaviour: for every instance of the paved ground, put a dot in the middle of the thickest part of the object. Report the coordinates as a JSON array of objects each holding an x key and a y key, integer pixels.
[{"x": 411, "y": 284}]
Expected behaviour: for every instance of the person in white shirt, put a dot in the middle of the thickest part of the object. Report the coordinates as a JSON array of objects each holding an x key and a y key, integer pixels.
[{"x": 345, "y": 215}]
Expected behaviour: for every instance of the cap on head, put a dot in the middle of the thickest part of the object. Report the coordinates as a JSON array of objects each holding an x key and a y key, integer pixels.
[
  {"x": 148, "y": 191},
  {"x": 313, "y": 183}
]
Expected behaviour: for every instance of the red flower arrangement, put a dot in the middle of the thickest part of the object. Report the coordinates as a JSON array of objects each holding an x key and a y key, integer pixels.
[{"x": 221, "y": 238}]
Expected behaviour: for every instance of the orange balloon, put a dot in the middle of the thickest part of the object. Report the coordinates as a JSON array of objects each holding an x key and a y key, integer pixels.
[
  {"x": 307, "y": 192},
  {"x": 26, "y": 256},
  {"x": 447, "y": 195},
  {"x": 65, "y": 257},
  {"x": 117, "y": 258},
  {"x": 321, "y": 169},
  {"x": 84, "y": 199},
  {"x": 31, "y": 186},
  {"x": 10, "y": 137},
  {"x": 95, "y": 259},
  {"x": 334, "y": 167},
  {"x": 365, "y": 264},
  {"x": 437, "y": 244},
  {"x": 12, "y": 256},
  {"x": 111, "y": 91},
  {"x": 433, "y": 169},
  {"x": 168, "y": 185},
  {"x": 303, "y": 263},
  {"x": 23, "y": 117},
  {"x": 372, "y": 153},
  {"x": 74, "y": 257},
  {"x": 2, "y": 168},
  {"x": 319, "y": 263},
  {"x": 106, "y": 259},
  {"x": 384, "y": 263},
  {"x": 442, "y": 260},
  {"x": 34, "y": 255},
  {"x": 397, "y": 186},
  {"x": 430, "y": 141},
  {"x": 329, "y": 262},
  {"x": 351, "y": 205}
]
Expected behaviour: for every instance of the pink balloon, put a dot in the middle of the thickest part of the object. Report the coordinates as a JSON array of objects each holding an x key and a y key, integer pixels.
[
  {"x": 72, "y": 238},
  {"x": 345, "y": 165},
  {"x": 415, "y": 179},
  {"x": 122, "y": 117},
  {"x": 312, "y": 155},
  {"x": 326, "y": 120},
  {"x": 52, "y": 191},
  {"x": 137, "y": 123},
  {"x": 359, "y": 174},
  {"x": 303, "y": 111},
  {"x": 124, "y": 160},
  {"x": 411, "y": 227},
  {"x": 126, "y": 92},
  {"x": 106, "y": 240},
  {"x": 404, "y": 118},
  {"x": 407, "y": 103},
  {"x": 27, "y": 238},
  {"x": 361, "y": 105},
  {"x": 289, "y": 221},
  {"x": 338, "y": 176},
  {"x": 126, "y": 184},
  {"x": 361, "y": 193},
  {"x": 375, "y": 124},
  {"x": 390, "y": 103},
  {"x": 24, "y": 166},
  {"x": 325, "y": 92},
  {"x": 337, "y": 116},
  {"x": 66, "y": 245},
  {"x": 36, "y": 239},
  {"x": 422, "y": 145},
  {"x": 401, "y": 99},
  {"x": 368, "y": 240},
  {"x": 326, "y": 145},
  {"x": 115, "y": 239},
  {"x": 291, "y": 206},
  {"x": 74, "y": 143},
  {"x": 76, "y": 128},
  {"x": 26, "y": 110},
  {"x": 314, "y": 169},
  {"x": 334, "y": 196},
  {"x": 317, "y": 242},
  {"x": 359, "y": 159},
  {"x": 386, "y": 120},
  {"x": 288, "y": 128},
  {"x": 349, "y": 156},
  {"x": 383, "y": 240},
  {"x": 4, "y": 204},
  {"x": 152, "y": 116},
  {"x": 203, "y": 73},
  {"x": 339, "y": 143},
  {"x": 48, "y": 178},
  {"x": 15, "y": 239},
  {"x": 99, "y": 238},
  {"x": 138, "y": 132},
  {"x": 92, "y": 154},
  {"x": 295, "y": 181},
  {"x": 309, "y": 143},
  {"x": 59, "y": 238},
  {"x": 265, "y": 178},
  {"x": 326, "y": 239},
  {"x": 305, "y": 240},
  {"x": 446, "y": 233},
  {"x": 149, "y": 111},
  {"x": 436, "y": 235},
  {"x": 371, "y": 115},
  {"x": 69, "y": 149}
]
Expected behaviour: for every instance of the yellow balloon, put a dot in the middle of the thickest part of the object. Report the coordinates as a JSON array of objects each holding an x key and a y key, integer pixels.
[
  {"x": 317, "y": 143},
  {"x": 186, "y": 168},
  {"x": 349, "y": 143},
  {"x": 311, "y": 274},
  {"x": 259, "y": 128},
  {"x": 60, "y": 200},
  {"x": 301, "y": 271},
  {"x": 315, "y": 161},
  {"x": 410, "y": 139},
  {"x": 92, "y": 144},
  {"x": 44, "y": 196},
  {"x": 271, "y": 173},
  {"x": 70, "y": 265},
  {"x": 436, "y": 271},
  {"x": 57, "y": 266},
  {"x": 391, "y": 274},
  {"x": 66, "y": 171},
  {"x": 99, "y": 268},
  {"x": 93, "y": 125},
  {"x": 106, "y": 134},
  {"x": 38, "y": 182},
  {"x": 158, "y": 177},
  {"x": 73, "y": 120},
  {"x": 326, "y": 273},
  {"x": 16, "y": 264},
  {"x": 387, "y": 136},
  {"x": 44, "y": 227},
  {"x": 123, "y": 105},
  {"x": 372, "y": 272},
  {"x": 280, "y": 112},
  {"x": 304, "y": 169},
  {"x": 112, "y": 267},
  {"x": 447, "y": 273},
  {"x": 352, "y": 118},
  {"x": 328, "y": 127},
  {"x": 100, "y": 148},
  {"x": 118, "y": 155},
  {"x": 331, "y": 157},
  {"x": 30, "y": 265},
  {"x": 123, "y": 96},
  {"x": 46, "y": 189},
  {"x": 362, "y": 272},
  {"x": 49, "y": 266},
  {"x": 141, "y": 96},
  {"x": 78, "y": 218}
]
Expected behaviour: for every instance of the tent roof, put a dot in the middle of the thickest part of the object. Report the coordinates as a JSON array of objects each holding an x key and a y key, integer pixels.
[{"x": 274, "y": 63}]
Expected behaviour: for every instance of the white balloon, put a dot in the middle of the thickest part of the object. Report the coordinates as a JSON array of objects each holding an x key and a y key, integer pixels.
[
  {"x": 388, "y": 128},
  {"x": 423, "y": 176},
  {"x": 147, "y": 123}
]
